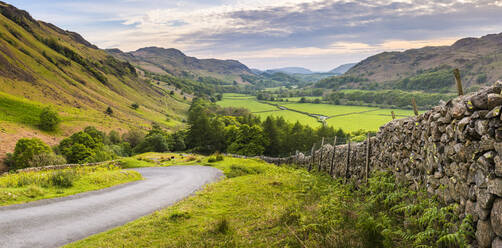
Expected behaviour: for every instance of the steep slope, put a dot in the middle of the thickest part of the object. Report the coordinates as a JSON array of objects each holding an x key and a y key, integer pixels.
[
  {"x": 479, "y": 60},
  {"x": 43, "y": 65},
  {"x": 176, "y": 63}
]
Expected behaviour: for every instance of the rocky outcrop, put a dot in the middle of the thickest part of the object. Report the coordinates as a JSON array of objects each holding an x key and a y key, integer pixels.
[{"x": 453, "y": 150}]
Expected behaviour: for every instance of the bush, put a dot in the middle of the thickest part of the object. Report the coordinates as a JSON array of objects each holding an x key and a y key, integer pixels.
[
  {"x": 109, "y": 111},
  {"x": 49, "y": 119},
  {"x": 215, "y": 158},
  {"x": 62, "y": 178},
  {"x": 135, "y": 106},
  {"x": 78, "y": 153},
  {"x": 26, "y": 150},
  {"x": 101, "y": 155},
  {"x": 153, "y": 143},
  {"x": 46, "y": 159}
]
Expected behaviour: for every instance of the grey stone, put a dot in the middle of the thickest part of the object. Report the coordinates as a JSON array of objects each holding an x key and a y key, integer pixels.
[
  {"x": 498, "y": 165},
  {"x": 470, "y": 208},
  {"x": 464, "y": 122},
  {"x": 479, "y": 101},
  {"x": 494, "y": 100},
  {"x": 481, "y": 127},
  {"x": 458, "y": 110},
  {"x": 495, "y": 112},
  {"x": 496, "y": 217},
  {"x": 483, "y": 214},
  {"x": 495, "y": 186},
  {"x": 485, "y": 199},
  {"x": 484, "y": 234},
  {"x": 497, "y": 243}
]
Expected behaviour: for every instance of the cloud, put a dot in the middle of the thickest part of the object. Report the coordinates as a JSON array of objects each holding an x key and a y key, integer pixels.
[{"x": 257, "y": 31}]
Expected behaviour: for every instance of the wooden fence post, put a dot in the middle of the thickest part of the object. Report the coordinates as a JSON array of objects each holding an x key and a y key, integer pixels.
[
  {"x": 332, "y": 158},
  {"x": 456, "y": 72},
  {"x": 393, "y": 115},
  {"x": 348, "y": 162},
  {"x": 367, "y": 156},
  {"x": 414, "y": 103},
  {"x": 312, "y": 158},
  {"x": 320, "y": 157}
]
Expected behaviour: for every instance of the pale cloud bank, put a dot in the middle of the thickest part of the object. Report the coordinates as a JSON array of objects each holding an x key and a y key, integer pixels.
[{"x": 318, "y": 34}]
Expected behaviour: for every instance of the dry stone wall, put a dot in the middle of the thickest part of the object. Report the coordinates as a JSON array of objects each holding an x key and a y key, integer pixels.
[{"x": 454, "y": 151}]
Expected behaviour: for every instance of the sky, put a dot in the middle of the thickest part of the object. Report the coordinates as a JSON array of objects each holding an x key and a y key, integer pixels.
[{"x": 265, "y": 34}]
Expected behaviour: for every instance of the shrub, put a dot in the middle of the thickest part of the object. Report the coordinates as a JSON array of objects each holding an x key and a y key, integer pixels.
[
  {"x": 33, "y": 191},
  {"x": 26, "y": 149},
  {"x": 215, "y": 158},
  {"x": 100, "y": 156},
  {"x": 62, "y": 178},
  {"x": 49, "y": 119},
  {"x": 78, "y": 153},
  {"x": 135, "y": 106},
  {"x": 46, "y": 159},
  {"x": 109, "y": 111}
]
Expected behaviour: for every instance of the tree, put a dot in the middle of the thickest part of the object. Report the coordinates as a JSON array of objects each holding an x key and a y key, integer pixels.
[
  {"x": 114, "y": 137},
  {"x": 134, "y": 137},
  {"x": 272, "y": 134},
  {"x": 109, "y": 111},
  {"x": 250, "y": 141},
  {"x": 135, "y": 106},
  {"x": 78, "y": 153},
  {"x": 153, "y": 143},
  {"x": 26, "y": 150},
  {"x": 49, "y": 119}
]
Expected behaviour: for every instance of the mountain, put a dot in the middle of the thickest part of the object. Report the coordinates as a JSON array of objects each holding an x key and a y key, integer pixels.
[
  {"x": 292, "y": 70},
  {"x": 342, "y": 69},
  {"x": 42, "y": 65},
  {"x": 174, "y": 62},
  {"x": 479, "y": 61}
]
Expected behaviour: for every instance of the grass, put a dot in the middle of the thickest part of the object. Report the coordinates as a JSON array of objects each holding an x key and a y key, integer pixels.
[
  {"x": 32, "y": 186},
  {"x": 241, "y": 101},
  {"x": 19, "y": 110},
  {"x": 262, "y": 205},
  {"x": 351, "y": 120}
]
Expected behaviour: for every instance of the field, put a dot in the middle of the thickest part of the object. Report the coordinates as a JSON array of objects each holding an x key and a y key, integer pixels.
[{"x": 348, "y": 118}]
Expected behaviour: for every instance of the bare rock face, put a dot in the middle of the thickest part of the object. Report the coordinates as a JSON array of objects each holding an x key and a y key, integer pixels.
[
  {"x": 496, "y": 217},
  {"x": 484, "y": 234}
]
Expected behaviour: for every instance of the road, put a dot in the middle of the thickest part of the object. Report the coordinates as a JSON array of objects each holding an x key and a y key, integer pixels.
[{"x": 56, "y": 222}]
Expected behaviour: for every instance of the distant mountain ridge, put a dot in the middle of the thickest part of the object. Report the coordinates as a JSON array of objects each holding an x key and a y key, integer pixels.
[
  {"x": 174, "y": 62},
  {"x": 342, "y": 68},
  {"x": 479, "y": 60},
  {"x": 291, "y": 70}
]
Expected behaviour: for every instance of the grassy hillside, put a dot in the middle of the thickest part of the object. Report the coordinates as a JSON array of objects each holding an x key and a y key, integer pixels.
[
  {"x": 42, "y": 65},
  {"x": 429, "y": 68}
]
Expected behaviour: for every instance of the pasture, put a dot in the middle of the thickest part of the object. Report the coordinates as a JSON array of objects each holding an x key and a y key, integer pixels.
[{"x": 348, "y": 118}]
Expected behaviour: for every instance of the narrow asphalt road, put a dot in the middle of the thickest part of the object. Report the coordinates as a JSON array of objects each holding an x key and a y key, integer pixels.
[{"x": 56, "y": 222}]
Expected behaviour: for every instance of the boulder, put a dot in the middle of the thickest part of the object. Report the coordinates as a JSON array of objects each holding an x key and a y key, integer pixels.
[{"x": 496, "y": 217}]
